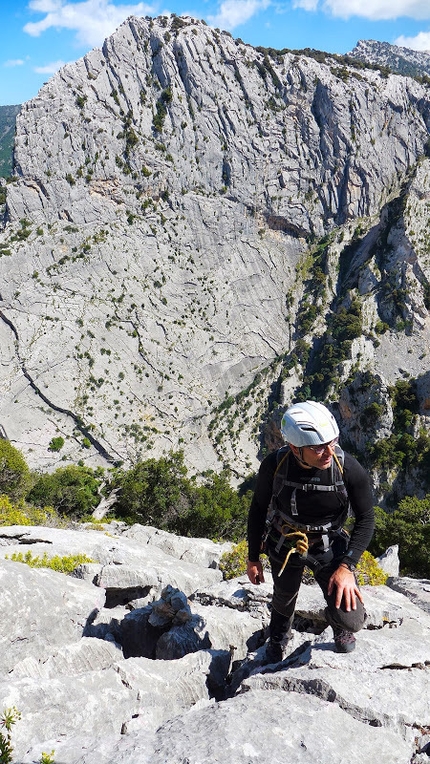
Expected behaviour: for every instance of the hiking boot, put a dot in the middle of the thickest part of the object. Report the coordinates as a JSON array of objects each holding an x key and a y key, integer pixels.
[
  {"x": 344, "y": 641},
  {"x": 273, "y": 653}
]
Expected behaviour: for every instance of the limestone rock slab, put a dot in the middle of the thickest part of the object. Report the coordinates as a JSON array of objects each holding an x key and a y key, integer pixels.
[
  {"x": 264, "y": 727},
  {"x": 416, "y": 590},
  {"x": 41, "y": 610}
]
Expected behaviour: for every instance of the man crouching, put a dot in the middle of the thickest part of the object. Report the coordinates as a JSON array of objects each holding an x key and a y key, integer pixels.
[{"x": 303, "y": 495}]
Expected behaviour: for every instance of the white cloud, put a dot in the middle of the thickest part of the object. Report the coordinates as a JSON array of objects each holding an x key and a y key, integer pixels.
[
  {"x": 14, "y": 62},
  {"x": 92, "y": 20},
  {"x": 49, "y": 68},
  {"x": 45, "y": 6},
  {"x": 307, "y": 5},
  {"x": 375, "y": 10},
  {"x": 420, "y": 42},
  {"x": 232, "y": 13}
]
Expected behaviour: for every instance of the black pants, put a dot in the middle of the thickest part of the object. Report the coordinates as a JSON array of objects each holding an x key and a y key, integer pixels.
[{"x": 286, "y": 587}]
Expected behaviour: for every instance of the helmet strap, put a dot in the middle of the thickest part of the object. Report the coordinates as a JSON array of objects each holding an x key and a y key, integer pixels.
[{"x": 299, "y": 457}]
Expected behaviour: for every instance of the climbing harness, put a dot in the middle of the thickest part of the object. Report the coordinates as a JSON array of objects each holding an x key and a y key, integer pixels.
[{"x": 287, "y": 525}]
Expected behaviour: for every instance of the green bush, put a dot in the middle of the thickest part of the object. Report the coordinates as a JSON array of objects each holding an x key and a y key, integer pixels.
[
  {"x": 152, "y": 491},
  {"x": 405, "y": 403},
  {"x": 158, "y": 492},
  {"x": 24, "y": 514},
  {"x": 47, "y": 758},
  {"x": 161, "y": 109},
  {"x": 409, "y": 527},
  {"x": 215, "y": 510},
  {"x": 371, "y": 415},
  {"x": 8, "y": 718},
  {"x": 56, "y": 444},
  {"x": 66, "y": 564},
  {"x": 15, "y": 476},
  {"x": 12, "y": 514},
  {"x": 233, "y": 563},
  {"x": 369, "y": 572},
  {"x": 73, "y": 491}
]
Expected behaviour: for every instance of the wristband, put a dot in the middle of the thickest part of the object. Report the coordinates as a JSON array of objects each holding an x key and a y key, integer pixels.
[{"x": 350, "y": 565}]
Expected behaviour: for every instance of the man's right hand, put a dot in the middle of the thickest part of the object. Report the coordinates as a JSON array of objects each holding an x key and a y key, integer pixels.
[{"x": 255, "y": 572}]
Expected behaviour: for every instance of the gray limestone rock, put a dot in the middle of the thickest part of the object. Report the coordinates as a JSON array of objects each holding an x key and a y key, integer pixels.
[
  {"x": 389, "y": 561},
  {"x": 69, "y": 660},
  {"x": 238, "y": 632},
  {"x": 371, "y": 683},
  {"x": 265, "y": 727},
  {"x": 102, "y": 703},
  {"x": 417, "y": 590},
  {"x": 397, "y": 58},
  {"x": 130, "y": 569},
  {"x": 237, "y": 593},
  {"x": 201, "y": 551},
  {"x": 181, "y": 640},
  {"x": 105, "y": 685},
  {"x": 55, "y": 708},
  {"x": 40, "y": 611}
]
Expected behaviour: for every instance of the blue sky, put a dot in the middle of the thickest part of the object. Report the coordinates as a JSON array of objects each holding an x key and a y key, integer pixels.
[{"x": 39, "y": 36}]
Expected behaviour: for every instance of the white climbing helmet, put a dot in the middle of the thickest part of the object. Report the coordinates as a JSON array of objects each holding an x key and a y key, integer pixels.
[{"x": 308, "y": 424}]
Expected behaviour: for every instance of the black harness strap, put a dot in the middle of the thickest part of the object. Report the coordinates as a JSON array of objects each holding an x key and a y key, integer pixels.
[{"x": 280, "y": 520}]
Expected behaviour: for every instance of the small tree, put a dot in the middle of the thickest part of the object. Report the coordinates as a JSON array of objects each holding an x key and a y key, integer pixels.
[
  {"x": 153, "y": 491},
  {"x": 216, "y": 510},
  {"x": 409, "y": 527},
  {"x": 14, "y": 473},
  {"x": 71, "y": 490},
  {"x": 158, "y": 492},
  {"x": 56, "y": 444}
]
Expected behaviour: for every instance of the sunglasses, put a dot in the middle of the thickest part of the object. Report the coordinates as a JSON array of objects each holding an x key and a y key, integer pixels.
[{"x": 320, "y": 449}]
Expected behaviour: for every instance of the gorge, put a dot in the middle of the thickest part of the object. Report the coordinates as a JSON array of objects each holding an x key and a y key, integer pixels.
[{"x": 198, "y": 231}]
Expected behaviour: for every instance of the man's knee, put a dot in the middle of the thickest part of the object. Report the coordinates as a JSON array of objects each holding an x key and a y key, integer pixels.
[{"x": 352, "y": 620}]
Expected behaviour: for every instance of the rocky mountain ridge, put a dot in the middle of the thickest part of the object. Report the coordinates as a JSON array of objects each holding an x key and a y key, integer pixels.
[
  {"x": 411, "y": 63},
  {"x": 146, "y": 655},
  {"x": 188, "y": 214}
]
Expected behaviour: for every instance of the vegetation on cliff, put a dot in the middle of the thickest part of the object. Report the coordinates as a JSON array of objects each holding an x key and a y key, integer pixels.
[{"x": 159, "y": 492}]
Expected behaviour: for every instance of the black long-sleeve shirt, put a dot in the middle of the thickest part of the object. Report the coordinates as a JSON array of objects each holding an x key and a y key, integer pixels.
[{"x": 313, "y": 507}]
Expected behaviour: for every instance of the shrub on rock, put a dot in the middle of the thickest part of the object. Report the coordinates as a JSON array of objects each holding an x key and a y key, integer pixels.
[{"x": 14, "y": 472}]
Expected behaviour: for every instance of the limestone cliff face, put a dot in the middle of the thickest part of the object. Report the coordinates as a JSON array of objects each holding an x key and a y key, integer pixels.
[
  {"x": 398, "y": 59},
  {"x": 170, "y": 194},
  {"x": 287, "y": 137}
]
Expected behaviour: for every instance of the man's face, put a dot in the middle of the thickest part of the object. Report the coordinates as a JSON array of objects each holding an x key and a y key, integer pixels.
[{"x": 317, "y": 456}]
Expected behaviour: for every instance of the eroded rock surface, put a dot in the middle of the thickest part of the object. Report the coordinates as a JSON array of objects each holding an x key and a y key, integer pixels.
[
  {"x": 194, "y": 687},
  {"x": 181, "y": 200}
]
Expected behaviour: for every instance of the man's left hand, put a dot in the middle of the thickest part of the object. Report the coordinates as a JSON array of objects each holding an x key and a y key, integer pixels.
[{"x": 343, "y": 580}]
